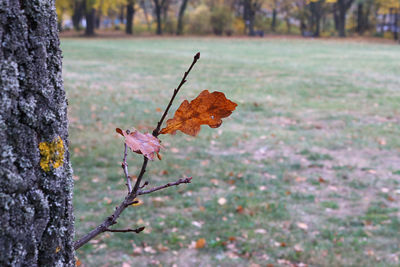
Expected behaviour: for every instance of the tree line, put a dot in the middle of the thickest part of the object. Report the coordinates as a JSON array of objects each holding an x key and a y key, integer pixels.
[{"x": 310, "y": 18}]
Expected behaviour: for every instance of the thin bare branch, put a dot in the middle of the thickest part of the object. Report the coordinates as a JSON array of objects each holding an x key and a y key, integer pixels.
[
  {"x": 137, "y": 230},
  {"x": 124, "y": 166},
  {"x": 180, "y": 181},
  {"x": 144, "y": 185},
  {"x": 142, "y": 171},
  {"x": 156, "y": 131}
]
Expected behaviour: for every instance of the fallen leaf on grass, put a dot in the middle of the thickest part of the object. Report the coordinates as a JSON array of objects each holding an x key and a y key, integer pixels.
[
  {"x": 207, "y": 108},
  {"x": 321, "y": 180},
  {"x": 174, "y": 150},
  {"x": 200, "y": 243},
  {"x": 239, "y": 209},
  {"x": 214, "y": 182},
  {"x": 149, "y": 249},
  {"x": 262, "y": 188},
  {"x": 298, "y": 248},
  {"x": 198, "y": 224},
  {"x": 390, "y": 198},
  {"x": 260, "y": 231},
  {"x": 162, "y": 248},
  {"x": 107, "y": 200},
  {"x": 137, "y": 250},
  {"x": 302, "y": 225},
  {"x": 300, "y": 179},
  {"x": 222, "y": 201},
  {"x": 145, "y": 144},
  {"x": 381, "y": 141}
]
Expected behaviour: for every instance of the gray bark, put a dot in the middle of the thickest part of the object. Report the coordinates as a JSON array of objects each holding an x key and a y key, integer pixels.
[{"x": 36, "y": 220}]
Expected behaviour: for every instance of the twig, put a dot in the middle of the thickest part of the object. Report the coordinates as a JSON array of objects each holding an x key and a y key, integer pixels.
[
  {"x": 180, "y": 181},
  {"x": 125, "y": 168},
  {"x": 144, "y": 185},
  {"x": 156, "y": 131},
  {"x": 133, "y": 193},
  {"x": 137, "y": 230},
  {"x": 142, "y": 171}
]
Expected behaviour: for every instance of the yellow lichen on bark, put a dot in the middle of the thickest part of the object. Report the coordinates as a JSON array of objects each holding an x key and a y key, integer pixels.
[{"x": 52, "y": 154}]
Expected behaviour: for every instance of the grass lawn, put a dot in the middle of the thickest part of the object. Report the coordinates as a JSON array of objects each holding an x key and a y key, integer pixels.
[{"x": 309, "y": 163}]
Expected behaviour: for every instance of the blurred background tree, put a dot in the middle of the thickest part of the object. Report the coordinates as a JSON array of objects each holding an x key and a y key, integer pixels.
[{"x": 310, "y": 18}]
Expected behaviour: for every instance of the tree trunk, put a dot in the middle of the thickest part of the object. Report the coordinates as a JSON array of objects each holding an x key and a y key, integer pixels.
[
  {"x": 396, "y": 25},
  {"x": 180, "y": 17},
  {"x": 90, "y": 21},
  {"x": 288, "y": 25},
  {"x": 315, "y": 8},
  {"x": 360, "y": 19},
  {"x": 142, "y": 4},
  {"x": 248, "y": 16},
  {"x": 383, "y": 24},
  {"x": 336, "y": 17},
  {"x": 158, "y": 9},
  {"x": 343, "y": 6},
  {"x": 36, "y": 177},
  {"x": 164, "y": 11},
  {"x": 342, "y": 18},
  {"x": 97, "y": 19},
  {"x": 273, "y": 22},
  {"x": 366, "y": 16},
  {"x": 130, "y": 12},
  {"x": 121, "y": 14},
  {"x": 79, "y": 9}
]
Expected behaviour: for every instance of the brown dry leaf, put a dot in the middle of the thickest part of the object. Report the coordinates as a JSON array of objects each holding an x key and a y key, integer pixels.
[
  {"x": 145, "y": 144},
  {"x": 321, "y": 180},
  {"x": 200, "y": 243},
  {"x": 207, "y": 108},
  {"x": 239, "y": 209},
  {"x": 162, "y": 248},
  {"x": 390, "y": 198}
]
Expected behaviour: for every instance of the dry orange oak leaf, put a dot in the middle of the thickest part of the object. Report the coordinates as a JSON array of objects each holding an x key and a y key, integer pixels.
[
  {"x": 208, "y": 108},
  {"x": 145, "y": 144}
]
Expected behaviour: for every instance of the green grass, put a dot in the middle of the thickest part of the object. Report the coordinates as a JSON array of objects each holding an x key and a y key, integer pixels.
[{"x": 308, "y": 163}]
